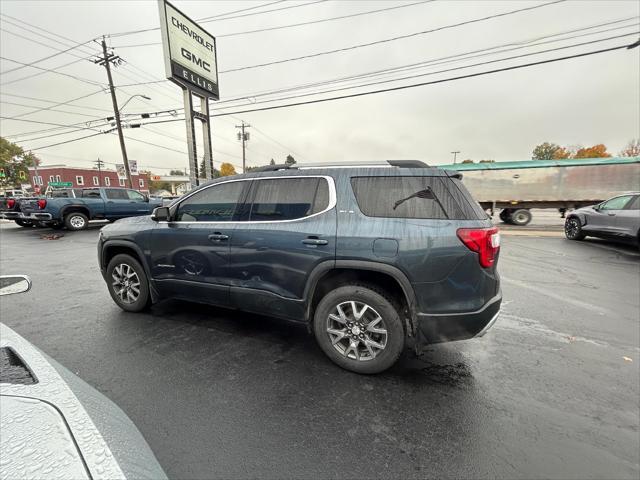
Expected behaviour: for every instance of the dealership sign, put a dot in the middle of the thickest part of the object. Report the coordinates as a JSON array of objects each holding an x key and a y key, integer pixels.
[{"x": 189, "y": 52}]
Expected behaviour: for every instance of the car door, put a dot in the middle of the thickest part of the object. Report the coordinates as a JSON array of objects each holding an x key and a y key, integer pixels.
[
  {"x": 122, "y": 202},
  {"x": 287, "y": 227},
  {"x": 603, "y": 219},
  {"x": 628, "y": 219},
  {"x": 189, "y": 254}
]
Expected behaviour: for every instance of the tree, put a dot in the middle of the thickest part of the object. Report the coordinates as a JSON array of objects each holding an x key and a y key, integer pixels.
[
  {"x": 545, "y": 151},
  {"x": 487, "y": 161},
  {"x": 227, "y": 169},
  {"x": 597, "y": 151},
  {"x": 202, "y": 171},
  {"x": 14, "y": 164},
  {"x": 632, "y": 149},
  {"x": 561, "y": 153},
  {"x": 179, "y": 173},
  {"x": 468, "y": 160},
  {"x": 290, "y": 160},
  {"x": 272, "y": 162}
]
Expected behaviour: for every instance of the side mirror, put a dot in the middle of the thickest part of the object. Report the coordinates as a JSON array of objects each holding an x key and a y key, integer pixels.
[
  {"x": 160, "y": 214},
  {"x": 10, "y": 284}
]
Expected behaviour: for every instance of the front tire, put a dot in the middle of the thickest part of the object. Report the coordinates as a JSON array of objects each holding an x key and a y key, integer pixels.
[
  {"x": 127, "y": 283},
  {"x": 573, "y": 229},
  {"x": 76, "y": 221},
  {"x": 359, "y": 328}
]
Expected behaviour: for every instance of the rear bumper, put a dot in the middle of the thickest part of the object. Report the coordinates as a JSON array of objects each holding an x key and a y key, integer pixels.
[
  {"x": 26, "y": 216},
  {"x": 440, "y": 328}
]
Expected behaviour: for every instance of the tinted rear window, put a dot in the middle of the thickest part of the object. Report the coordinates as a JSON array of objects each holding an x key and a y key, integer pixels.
[
  {"x": 472, "y": 209},
  {"x": 404, "y": 197},
  {"x": 288, "y": 198}
]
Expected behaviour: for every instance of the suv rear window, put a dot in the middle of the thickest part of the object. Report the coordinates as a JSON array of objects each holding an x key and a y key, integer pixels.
[
  {"x": 288, "y": 198},
  {"x": 399, "y": 197}
]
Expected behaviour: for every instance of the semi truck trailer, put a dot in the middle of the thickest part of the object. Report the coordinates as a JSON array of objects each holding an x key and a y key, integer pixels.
[{"x": 514, "y": 188}]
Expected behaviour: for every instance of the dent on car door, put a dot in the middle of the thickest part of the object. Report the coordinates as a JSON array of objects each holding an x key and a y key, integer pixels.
[
  {"x": 288, "y": 227},
  {"x": 190, "y": 253}
]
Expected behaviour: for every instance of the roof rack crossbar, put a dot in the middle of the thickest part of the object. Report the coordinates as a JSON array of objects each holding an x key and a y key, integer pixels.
[{"x": 273, "y": 168}]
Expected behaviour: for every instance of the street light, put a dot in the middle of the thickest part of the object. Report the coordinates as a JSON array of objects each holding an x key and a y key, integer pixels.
[
  {"x": 455, "y": 154},
  {"x": 131, "y": 98}
]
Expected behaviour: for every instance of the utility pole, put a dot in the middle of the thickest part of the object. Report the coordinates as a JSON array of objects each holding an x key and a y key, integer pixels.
[
  {"x": 99, "y": 163},
  {"x": 455, "y": 154},
  {"x": 106, "y": 60},
  {"x": 244, "y": 137}
]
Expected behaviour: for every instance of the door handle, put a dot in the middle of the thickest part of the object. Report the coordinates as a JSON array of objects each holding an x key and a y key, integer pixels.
[
  {"x": 218, "y": 237},
  {"x": 314, "y": 241},
  {"x": 611, "y": 214}
]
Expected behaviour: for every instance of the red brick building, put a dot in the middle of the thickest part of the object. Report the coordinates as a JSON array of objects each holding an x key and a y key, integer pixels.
[{"x": 85, "y": 177}]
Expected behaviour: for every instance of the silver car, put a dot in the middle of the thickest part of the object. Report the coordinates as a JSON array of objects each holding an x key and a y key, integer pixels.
[{"x": 616, "y": 218}]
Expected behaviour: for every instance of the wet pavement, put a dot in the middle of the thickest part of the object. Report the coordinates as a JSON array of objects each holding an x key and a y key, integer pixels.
[{"x": 219, "y": 394}]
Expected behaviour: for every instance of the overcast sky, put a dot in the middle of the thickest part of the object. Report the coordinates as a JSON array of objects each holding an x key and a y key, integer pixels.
[{"x": 583, "y": 101}]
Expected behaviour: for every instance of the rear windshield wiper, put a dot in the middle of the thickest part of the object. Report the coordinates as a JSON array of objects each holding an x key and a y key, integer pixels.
[{"x": 427, "y": 194}]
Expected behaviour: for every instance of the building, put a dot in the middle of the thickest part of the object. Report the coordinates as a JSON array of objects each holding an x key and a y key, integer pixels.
[{"x": 84, "y": 177}]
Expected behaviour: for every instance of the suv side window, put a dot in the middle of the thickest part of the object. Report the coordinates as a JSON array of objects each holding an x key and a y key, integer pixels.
[
  {"x": 116, "y": 194},
  {"x": 617, "y": 203},
  {"x": 402, "y": 197},
  {"x": 217, "y": 203},
  {"x": 288, "y": 198}
]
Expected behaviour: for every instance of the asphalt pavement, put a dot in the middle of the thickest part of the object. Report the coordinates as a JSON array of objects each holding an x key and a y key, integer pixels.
[{"x": 547, "y": 392}]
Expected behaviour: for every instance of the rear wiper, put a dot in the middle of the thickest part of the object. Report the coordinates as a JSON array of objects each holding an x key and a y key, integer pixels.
[{"x": 427, "y": 194}]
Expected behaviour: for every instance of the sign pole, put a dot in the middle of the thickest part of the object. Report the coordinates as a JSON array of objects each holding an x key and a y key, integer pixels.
[
  {"x": 191, "y": 137},
  {"x": 206, "y": 134}
]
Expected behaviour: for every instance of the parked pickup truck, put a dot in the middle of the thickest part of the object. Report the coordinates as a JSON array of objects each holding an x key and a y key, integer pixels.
[{"x": 74, "y": 212}]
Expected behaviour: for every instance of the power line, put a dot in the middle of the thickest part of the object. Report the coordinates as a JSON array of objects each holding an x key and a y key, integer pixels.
[
  {"x": 433, "y": 82},
  {"x": 53, "y": 101},
  {"x": 52, "y": 106},
  {"x": 312, "y": 22},
  {"x": 216, "y": 18},
  {"x": 443, "y": 71},
  {"x": 49, "y": 70},
  {"x": 244, "y": 9},
  {"x": 393, "y": 39},
  {"x": 52, "y": 109}
]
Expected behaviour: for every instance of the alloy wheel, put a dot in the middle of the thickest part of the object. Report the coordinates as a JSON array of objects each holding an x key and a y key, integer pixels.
[
  {"x": 126, "y": 284},
  {"x": 357, "y": 331},
  {"x": 572, "y": 228}
]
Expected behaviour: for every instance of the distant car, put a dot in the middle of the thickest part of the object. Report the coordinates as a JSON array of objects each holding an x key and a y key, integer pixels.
[
  {"x": 617, "y": 218},
  {"x": 371, "y": 258}
]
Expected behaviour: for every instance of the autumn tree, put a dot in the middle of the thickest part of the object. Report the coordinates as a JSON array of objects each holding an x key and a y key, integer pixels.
[
  {"x": 545, "y": 151},
  {"x": 468, "y": 160},
  {"x": 597, "y": 151},
  {"x": 487, "y": 161},
  {"x": 632, "y": 149},
  {"x": 14, "y": 164},
  {"x": 561, "y": 153},
  {"x": 227, "y": 169}
]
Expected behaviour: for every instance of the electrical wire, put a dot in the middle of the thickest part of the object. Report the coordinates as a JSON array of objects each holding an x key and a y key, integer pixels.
[
  {"x": 93, "y": 109},
  {"x": 52, "y": 106},
  {"x": 52, "y": 109},
  {"x": 393, "y": 39},
  {"x": 216, "y": 18},
  {"x": 49, "y": 70},
  {"x": 433, "y": 82}
]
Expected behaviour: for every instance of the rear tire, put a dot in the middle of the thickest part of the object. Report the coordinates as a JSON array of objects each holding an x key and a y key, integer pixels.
[
  {"x": 24, "y": 223},
  {"x": 128, "y": 284},
  {"x": 521, "y": 217},
  {"x": 366, "y": 339},
  {"x": 573, "y": 229},
  {"x": 76, "y": 221}
]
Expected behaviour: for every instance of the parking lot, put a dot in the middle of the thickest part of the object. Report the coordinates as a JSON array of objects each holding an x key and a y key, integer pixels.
[{"x": 552, "y": 391}]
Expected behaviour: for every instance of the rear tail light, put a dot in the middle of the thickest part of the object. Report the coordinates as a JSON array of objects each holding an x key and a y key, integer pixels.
[
  {"x": 11, "y": 203},
  {"x": 42, "y": 203},
  {"x": 484, "y": 241}
]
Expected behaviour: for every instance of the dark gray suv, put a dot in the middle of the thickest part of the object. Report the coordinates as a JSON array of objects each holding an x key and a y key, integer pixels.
[{"x": 373, "y": 258}]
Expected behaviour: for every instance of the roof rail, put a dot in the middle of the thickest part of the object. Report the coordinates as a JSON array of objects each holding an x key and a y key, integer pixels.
[{"x": 272, "y": 168}]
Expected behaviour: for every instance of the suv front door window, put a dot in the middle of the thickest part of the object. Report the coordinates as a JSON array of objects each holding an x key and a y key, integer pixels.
[
  {"x": 605, "y": 217},
  {"x": 190, "y": 253}
]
